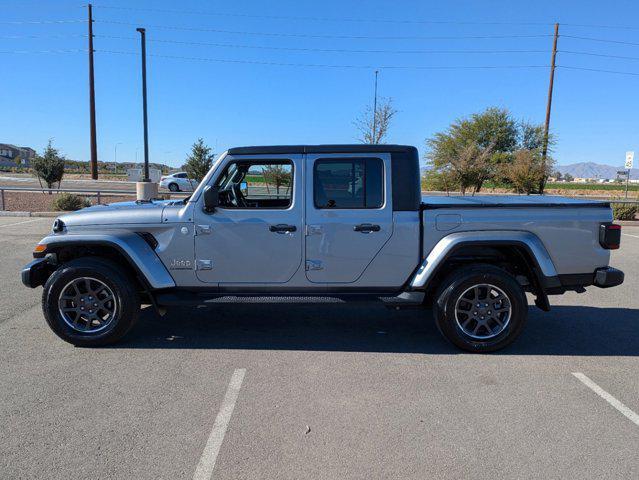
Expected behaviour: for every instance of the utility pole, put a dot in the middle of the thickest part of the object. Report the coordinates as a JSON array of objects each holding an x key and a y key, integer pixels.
[
  {"x": 94, "y": 144},
  {"x": 544, "y": 151},
  {"x": 374, "y": 139},
  {"x": 146, "y": 126}
]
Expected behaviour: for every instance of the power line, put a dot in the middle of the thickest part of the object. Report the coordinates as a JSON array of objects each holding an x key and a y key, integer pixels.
[
  {"x": 320, "y": 19},
  {"x": 322, "y": 50},
  {"x": 617, "y": 72},
  {"x": 27, "y": 37},
  {"x": 286, "y": 64},
  {"x": 603, "y": 40},
  {"x": 592, "y": 54},
  {"x": 40, "y": 22},
  {"x": 28, "y": 52},
  {"x": 586, "y": 25},
  {"x": 348, "y": 37}
]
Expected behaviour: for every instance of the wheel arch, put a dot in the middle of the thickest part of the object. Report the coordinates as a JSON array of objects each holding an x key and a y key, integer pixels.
[
  {"x": 130, "y": 251},
  {"x": 519, "y": 253}
]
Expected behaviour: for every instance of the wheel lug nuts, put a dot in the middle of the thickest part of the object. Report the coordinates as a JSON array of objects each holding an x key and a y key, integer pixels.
[{"x": 95, "y": 305}]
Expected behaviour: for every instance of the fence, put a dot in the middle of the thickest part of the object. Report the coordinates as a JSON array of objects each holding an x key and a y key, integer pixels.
[{"x": 98, "y": 194}]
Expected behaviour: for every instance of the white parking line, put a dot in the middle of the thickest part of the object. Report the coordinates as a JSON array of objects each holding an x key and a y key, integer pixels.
[
  {"x": 628, "y": 235},
  {"x": 632, "y": 416},
  {"x": 20, "y": 223},
  {"x": 204, "y": 470}
]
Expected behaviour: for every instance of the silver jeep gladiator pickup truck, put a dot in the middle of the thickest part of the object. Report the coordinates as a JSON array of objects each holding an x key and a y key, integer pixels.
[{"x": 317, "y": 224}]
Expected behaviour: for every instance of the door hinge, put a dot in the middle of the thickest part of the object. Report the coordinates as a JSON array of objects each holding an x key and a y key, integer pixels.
[
  {"x": 204, "y": 264},
  {"x": 314, "y": 230},
  {"x": 203, "y": 229},
  {"x": 314, "y": 265}
]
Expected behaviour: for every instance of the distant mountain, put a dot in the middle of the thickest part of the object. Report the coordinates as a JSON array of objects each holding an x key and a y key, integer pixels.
[{"x": 594, "y": 170}]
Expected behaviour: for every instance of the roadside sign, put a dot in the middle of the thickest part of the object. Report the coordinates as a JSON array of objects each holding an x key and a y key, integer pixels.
[
  {"x": 630, "y": 156},
  {"x": 622, "y": 173}
]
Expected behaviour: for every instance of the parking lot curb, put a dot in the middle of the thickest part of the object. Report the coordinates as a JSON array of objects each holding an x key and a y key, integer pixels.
[{"x": 5, "y": 213}]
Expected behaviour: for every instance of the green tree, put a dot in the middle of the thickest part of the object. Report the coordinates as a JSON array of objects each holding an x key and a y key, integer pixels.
[
  {"x": 478, "y": 148},
  {"x": 474, "y": 147},
  {"x": 527, "y": 171},
  {"x": 439, "y": 181},
  {"x": 569, "y": 178},
  {"x": 199, "y": 162},
  {"x": 49, "y": 167}
]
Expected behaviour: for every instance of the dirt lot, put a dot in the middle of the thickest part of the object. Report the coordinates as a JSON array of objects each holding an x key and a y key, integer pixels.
[{"x": 43, "y": 202}]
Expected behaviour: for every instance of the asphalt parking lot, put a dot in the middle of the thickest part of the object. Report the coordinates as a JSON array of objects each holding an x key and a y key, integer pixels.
[{"x": 335, "y": 392}]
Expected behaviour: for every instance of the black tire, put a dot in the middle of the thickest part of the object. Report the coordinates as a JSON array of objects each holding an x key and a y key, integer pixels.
[
  {"x": 174, "y": 187},
  {"x": 455, "y": 325},
  {"x": 126, "y": 305}
]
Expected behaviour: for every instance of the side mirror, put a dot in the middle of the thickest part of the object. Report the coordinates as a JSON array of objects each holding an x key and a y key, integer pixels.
[{"x": 211, "y": 198}]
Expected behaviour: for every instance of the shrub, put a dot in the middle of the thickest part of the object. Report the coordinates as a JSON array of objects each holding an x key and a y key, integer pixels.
[
  {"x": 622, "y": 211},
  {"x": 69, "y": 201},
  {"x": 48, "y": 167}
]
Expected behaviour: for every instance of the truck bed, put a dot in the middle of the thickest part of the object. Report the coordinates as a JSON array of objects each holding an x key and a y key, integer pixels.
[
  {"x": 508, "y": 201},
  {"x": 567, "y": 227}
]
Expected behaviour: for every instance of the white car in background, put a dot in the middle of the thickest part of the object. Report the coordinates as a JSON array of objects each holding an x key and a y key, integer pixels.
[{"x": 178, "y": 182}]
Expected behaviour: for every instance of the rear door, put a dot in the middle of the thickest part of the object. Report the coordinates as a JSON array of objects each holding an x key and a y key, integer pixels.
[{"x": 349, "y": 214}]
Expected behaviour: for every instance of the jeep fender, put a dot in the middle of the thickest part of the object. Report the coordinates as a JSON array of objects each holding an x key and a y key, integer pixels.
[
  {"x": 544, "y": 267},
  {"x": 132, "y": 246}
]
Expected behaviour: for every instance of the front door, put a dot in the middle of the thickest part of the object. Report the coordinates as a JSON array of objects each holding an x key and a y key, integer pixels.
[
  {"x": 349, "y": 214},
  {"x": 256, "y": 234}
]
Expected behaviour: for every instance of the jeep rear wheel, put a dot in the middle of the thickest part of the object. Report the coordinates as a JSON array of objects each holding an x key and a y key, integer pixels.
[
  {"x": 90, "y": 302},
  {"x": 480, "y": 308}
]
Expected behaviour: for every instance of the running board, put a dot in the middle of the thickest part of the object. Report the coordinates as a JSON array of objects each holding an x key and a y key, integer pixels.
[{"x": 187, "y": 298}]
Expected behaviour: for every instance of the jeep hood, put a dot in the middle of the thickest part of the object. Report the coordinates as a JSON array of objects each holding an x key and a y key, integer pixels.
[{"x": 120, "y": 213}]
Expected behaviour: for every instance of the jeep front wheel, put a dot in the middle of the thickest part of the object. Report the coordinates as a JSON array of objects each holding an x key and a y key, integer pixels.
[
  {"x": 90, "y": 302},
  {"x": 480, "y": 308}
]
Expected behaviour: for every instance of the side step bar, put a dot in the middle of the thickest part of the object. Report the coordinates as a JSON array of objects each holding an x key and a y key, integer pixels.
[{"x": 189, "y": 298}]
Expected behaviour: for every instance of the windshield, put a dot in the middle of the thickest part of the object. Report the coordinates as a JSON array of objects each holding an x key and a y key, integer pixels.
[{"x": 198, "y": 191}]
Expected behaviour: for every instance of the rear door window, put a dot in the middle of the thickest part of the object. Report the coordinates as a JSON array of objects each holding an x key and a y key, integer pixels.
[{"x": 350, "y": 183}]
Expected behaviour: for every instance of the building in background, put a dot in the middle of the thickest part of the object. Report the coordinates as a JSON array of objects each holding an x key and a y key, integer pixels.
[{"x": 12, "y": 156}]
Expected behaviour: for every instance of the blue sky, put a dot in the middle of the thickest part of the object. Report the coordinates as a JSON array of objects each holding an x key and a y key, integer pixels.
[{"x": 45, "y": 95}]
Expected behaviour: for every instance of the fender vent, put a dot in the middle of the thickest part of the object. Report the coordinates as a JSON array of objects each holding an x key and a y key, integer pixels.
[{"x": 149, "y": 239}]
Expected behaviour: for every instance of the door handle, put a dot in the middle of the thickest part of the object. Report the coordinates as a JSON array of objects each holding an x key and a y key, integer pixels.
[
  {"x": 282, "y": 228},
  {"x": 366, "y": 228}
]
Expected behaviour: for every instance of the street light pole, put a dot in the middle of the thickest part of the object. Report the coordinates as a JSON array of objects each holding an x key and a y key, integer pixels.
[
  {"x": 146, "y": 126},
  {"x": 146, "y": 190},
  {"x": 115, "y": 154}
]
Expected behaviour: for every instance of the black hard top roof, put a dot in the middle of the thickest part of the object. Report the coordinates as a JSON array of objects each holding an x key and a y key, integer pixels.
[{"x": 352, "y": 148}]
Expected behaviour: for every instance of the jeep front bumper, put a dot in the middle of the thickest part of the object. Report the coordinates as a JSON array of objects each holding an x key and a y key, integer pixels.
[{"x": 36, "y": 272}]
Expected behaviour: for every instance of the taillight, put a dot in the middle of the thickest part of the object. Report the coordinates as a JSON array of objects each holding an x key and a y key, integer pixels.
[{"x": 610, "y": 236}]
